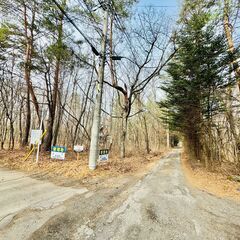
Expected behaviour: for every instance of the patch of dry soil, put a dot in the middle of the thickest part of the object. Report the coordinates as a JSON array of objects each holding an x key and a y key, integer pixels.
[{"x": 214, "y": 183}]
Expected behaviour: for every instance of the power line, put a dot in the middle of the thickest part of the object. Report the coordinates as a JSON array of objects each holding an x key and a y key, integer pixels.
[
  {"x": 156, "y": 6},
  {"x": 95, "y": 51}
]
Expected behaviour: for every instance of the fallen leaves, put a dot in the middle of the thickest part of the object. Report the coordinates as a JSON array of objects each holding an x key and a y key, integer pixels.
[
  {"x": 212, "y": 182},
  {"x": 76, "y": 169}
]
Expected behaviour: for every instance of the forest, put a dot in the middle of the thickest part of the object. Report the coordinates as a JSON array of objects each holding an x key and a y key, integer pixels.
[
  {"x": 108, "y": 75},
  {"x": 203, "y": 89},
  {"x": 119, "y": 119}
]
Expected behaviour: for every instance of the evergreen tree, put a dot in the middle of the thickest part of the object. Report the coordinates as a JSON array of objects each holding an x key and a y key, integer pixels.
[{"x": 198, "y": 73}]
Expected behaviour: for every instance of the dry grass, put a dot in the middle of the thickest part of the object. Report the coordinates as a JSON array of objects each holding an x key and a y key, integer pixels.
[
  {"x": 212, "y": 182},
  {"x": 77, "y": 169}
]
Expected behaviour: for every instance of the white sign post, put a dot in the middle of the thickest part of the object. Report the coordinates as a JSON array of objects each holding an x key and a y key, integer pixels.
[
  {"x": 36, "y": 139},
  {"x": 42, "y": 134},
  {"x": 36, "y": 136},
  {"x": 78, "y": 149}
]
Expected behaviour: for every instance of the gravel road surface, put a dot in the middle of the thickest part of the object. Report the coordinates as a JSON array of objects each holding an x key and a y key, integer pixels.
[
  {"x": 163, "y": 206},
  {"x": 26, "y": 203}
]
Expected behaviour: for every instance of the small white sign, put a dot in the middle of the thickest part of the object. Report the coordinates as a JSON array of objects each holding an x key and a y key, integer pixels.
[
  {"x": 36, "y": 136},
  {"x": 103, "y": 158},
  {"x": 58, "y": 155},
  {"x": 103, "y": 155},
  {"x": 78, "y": 148}
]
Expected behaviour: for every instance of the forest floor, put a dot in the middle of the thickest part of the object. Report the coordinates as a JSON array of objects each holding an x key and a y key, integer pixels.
[
  {"x": 216, "y": 183},
  {"x": 71, "y": 170}
]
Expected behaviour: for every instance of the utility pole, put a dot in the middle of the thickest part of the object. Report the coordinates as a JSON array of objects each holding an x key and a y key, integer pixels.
[{"x": 93, "y": 154}]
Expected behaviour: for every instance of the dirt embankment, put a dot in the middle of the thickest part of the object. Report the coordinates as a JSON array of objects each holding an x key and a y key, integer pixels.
[{"x": 212, "y": 182}]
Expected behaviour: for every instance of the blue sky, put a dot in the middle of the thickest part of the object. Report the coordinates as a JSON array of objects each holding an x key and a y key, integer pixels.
[{"x": 171, "y": 6}]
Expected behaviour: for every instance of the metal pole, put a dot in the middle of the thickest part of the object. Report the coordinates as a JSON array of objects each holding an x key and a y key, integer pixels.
[{"x": 93, "y": 153}]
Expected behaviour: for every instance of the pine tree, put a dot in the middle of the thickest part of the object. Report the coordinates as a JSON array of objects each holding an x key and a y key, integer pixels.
[{"x": 197, "y": 74}]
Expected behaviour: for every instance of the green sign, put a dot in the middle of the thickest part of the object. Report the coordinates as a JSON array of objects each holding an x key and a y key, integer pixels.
[
  {"x": 59, "y": 149},
  {"x": 103, "y": 152},
  {"x": 58, "y": 152},
  {"x": 103, "y": 155}
]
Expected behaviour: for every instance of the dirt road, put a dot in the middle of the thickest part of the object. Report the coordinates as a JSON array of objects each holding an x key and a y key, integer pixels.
[
  {"x": 26, "y": 203},
  {"x": 160, "y": 206}
]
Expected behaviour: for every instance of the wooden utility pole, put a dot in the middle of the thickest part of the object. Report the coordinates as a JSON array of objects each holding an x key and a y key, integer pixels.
[{"x": 93, "y": 154}]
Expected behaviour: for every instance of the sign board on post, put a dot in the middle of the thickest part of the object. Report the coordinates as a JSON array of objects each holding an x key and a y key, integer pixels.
[
  {"x": 78, "y": 148},
  {"x": 103, "y": 155},
  {"x": 58, "y": 152},
  {"x": 36, "y": 137}
]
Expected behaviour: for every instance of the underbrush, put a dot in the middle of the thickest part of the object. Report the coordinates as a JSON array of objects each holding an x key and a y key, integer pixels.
[{"x": 77, "y": 169}]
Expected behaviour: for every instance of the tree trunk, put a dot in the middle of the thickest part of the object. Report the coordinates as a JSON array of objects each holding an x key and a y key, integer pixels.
[
  {"x": 59, "y": 113},
  {"x": 83, "y": 110},
  {"x": 27, "y": 73},
  {"x": 57, "y": 126},
  {"x": 11, "y": 139},
  {"x": 232, "y": 124},
  {"x": 28, "y": 57},
  {"x": 20, "y": 124},
  {"x": 146, "y": 135},
  {"x": 228, "y": 33},
  {"x": 123, "y": 135},
  {"x": 235, "y": 66},
  {"x": 111, "y": 124},
  {"x": 48, "y": 139},
  {"x": 28, "y": 121},
  {"x": 53, "y": 102},
  {"x": 52, "y": 110},
  {"x": 3, "y": 132}
]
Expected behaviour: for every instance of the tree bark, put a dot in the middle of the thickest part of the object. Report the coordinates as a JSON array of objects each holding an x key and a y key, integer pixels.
[
  {"x": 52, "y": 110},
  {"x": 146, "y": 135},
  {"x": 236, "y": 68},
  {"x": 27, "y": 72},
  {"x": 123, "y": 135},
  {"x": 228, "y": 33},
  {"x": 20, "y": 123},
  {"x": 57, "y": 126},
  {"x": 53, "y": 102},
  {"x": 28, "y": 120}
]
